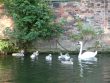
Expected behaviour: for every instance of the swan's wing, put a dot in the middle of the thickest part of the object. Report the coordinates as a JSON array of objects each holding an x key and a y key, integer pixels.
[
  {"x": 32, "y": 55},
  {"x": 88, "y": 54},
  {"x": 47, "y": 57}
]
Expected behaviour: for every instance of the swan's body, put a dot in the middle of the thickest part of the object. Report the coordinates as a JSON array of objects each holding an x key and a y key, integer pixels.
[
  {"x": 61, "y": 56},
  {"x": 66, "y": 56},
  {"x": 49, "y": 57},
  {"x": 34, "y": 54},
  {"x": 18, "y": 54},
  {"x": 86, "y": 54},
  {"x": 68, "y": 62}
]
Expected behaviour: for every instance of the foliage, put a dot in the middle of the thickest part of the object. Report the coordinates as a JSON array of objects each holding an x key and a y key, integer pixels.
[
  {"x": 33, "y": 19},
  {"x": 85, "y": 30},
  {"x": 79, "y": 23},
  {"x": 1, "y": 1},
  {"x": 88, "y": 30},
  {"x": 7, "y": 46},
  {"x": 75, "y": 36},
  {"x": 100, "y": 32},
  {"x": 96, "y": 43}
]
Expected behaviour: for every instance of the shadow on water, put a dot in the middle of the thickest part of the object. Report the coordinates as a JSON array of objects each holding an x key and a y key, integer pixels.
[{"x": 39, "y": 70}]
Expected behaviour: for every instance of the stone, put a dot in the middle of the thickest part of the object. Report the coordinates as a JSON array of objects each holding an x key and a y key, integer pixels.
[{"x": 56, "y": 5}]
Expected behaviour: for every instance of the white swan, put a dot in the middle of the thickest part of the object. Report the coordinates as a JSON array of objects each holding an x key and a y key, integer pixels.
[
  {"x": 34, "y": 54},
  {"x": 18, "y": 54},
  {"x": 68, "y": 62},
  {"x": 85, "y": 54},
  {"x": 61, "y": 56},
  {"x": 49, "y": 57},
  {"x": 66, "y": 56}
]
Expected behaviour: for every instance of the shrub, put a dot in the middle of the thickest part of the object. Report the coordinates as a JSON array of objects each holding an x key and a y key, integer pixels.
[
  {"x": 86, "y": 31},
  {"x": 33, "y": 19},
  {"x": 7, "y": 46},
  {"x": 79, "y": 22}
]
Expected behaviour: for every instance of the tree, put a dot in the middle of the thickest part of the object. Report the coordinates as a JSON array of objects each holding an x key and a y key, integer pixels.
[
  {"x": 1, "y": 1},
  {"x": 33, "y": 19}
]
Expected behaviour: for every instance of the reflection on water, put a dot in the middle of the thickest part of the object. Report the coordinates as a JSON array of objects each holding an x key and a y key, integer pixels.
[
  {"x": 39, "y": 70},
  {"x": 85, "y": 64},
  {"x": 5, "y": 69},
  {"x": 34, "y": 58},
  {"x": 105, "y": 61}
]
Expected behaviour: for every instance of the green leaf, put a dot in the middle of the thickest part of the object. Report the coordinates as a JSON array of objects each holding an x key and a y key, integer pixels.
[{"x": 32, "y": 19}]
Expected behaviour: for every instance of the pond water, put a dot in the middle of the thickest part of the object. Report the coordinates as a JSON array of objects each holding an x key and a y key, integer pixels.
[{"x": 39, "y": 70}]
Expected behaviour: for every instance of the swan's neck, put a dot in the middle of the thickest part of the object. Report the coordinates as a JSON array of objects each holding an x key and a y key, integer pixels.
[
  {"x": 60, "y": 54},
  {"x": 80, "y": 50}
]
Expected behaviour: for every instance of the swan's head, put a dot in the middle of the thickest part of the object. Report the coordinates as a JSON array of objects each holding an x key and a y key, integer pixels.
[
  {"x": 79, "y": 43},
  {"x": 37, "y": 52},
  {"x": 22, "y": 51},
  {"x": 50, "y": 55}
]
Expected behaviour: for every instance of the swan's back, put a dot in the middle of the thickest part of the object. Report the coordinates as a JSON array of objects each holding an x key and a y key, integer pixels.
[
  {"x": 67, "y": 57},
  {"x": 32, "y": 55},
  {"x": 68, "y": 62},
  {"x": 49, "y": 57},
  {"x": 62, "y": 56},
  {"x": 88, "y": 54},
  {"x": 17, "y": 54}
]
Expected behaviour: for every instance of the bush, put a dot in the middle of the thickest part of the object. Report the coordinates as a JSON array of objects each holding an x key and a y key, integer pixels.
[
  {"x": 7, "y": 46},
  {"x": 86, "y": 31},
  {"x": 33, "y": 19}
]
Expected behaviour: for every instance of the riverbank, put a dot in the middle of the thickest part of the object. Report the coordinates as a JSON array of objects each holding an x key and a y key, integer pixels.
[{"x": 57, "y": 51}]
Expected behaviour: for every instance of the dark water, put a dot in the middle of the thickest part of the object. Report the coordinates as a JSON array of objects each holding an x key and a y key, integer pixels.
[{"x": 38, "y": 70}]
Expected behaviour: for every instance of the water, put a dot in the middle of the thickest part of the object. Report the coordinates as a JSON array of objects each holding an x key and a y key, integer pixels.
[{"x": 38, "y": 70}]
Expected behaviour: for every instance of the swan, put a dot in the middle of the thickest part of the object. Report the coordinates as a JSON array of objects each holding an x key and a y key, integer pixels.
[
  {"x": 34, "y": 54},
  {"x": 66, "y": 56},
  {"x": 85, "y": 54},
  {"x": 68, "y": 62},
  {"x": 49, "y": 57},
  {"x": 18, "y": 54},
  {"x": 61, "y": 56}
]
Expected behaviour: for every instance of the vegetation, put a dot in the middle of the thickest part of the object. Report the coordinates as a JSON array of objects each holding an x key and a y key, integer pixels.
[
  {"x": 7, "y": 46},
  {"x": 1, "y": 1},
  {"x": 33, "y": 19},
  {"x": 76, "y": 36},
  {"x": 86, "y": 32},
  {"x": 100, "y": 32},
  {"x": 79, "y": 23}
]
